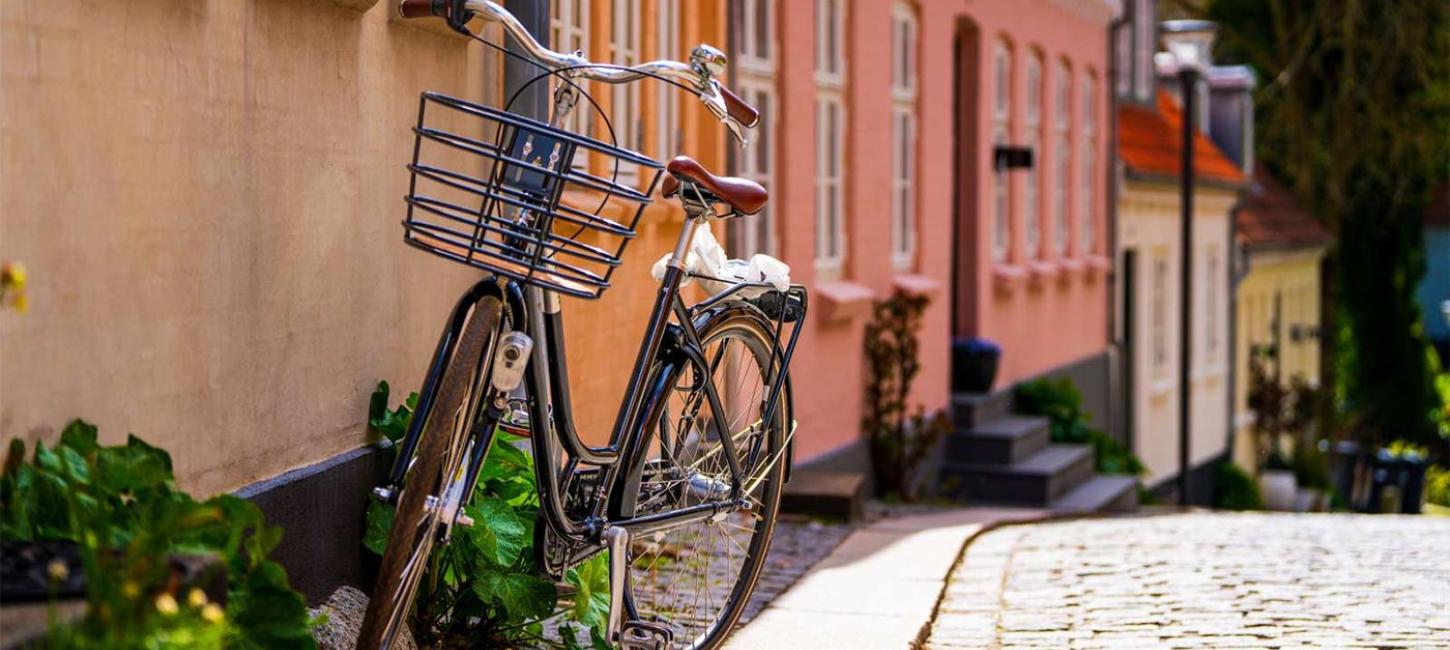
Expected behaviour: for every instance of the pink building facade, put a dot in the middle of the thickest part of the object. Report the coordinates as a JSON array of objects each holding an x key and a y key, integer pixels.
[{"x": 882, "y": 178}]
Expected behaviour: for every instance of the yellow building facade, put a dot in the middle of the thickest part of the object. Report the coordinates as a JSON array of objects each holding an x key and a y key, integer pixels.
[{"x": 1277, "y": 303}]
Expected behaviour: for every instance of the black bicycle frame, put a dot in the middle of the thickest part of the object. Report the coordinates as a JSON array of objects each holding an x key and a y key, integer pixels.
[{"x": 666, "y": 349}]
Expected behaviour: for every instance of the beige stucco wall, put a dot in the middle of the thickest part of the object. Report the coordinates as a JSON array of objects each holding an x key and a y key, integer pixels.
[
  {"x": 207, "y": 197},
  {"x": 207, "y": 194},
  {"x": 1293, "y": 276},
  {"x": 1148, "y": 221}
]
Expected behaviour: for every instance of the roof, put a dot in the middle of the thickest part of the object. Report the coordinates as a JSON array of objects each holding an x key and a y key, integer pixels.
[
  {"x": 1270, "y": 217},
  {"x": 1149, "y": 143}
]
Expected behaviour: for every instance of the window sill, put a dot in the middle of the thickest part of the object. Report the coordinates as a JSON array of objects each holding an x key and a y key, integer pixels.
[
  {"x": 1040, "y": 271},
  {"x": 1095, "y": 264},
  {"x": 1007, "y": 277},
  {"x": 1161, "y": 388},
  {"x": 920, "y": 285},
  {"x": 843, "y": 301}
]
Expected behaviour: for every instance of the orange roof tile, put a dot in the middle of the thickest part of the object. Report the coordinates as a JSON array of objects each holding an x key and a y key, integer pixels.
[
  {"x": 1149, "y": 142},
  {"x": 1270, "y": 216}
]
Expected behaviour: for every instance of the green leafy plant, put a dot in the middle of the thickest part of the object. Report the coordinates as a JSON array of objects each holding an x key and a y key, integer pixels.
[
  {"x": 1234, "y": 489},
  {"x": 122, "y": 508},
  {"x": 1437, "y": 486},
  {"x": 482, "y": 588},
  {"x": 901, "y": 438},
  {"x": 1060, "y": 401}
]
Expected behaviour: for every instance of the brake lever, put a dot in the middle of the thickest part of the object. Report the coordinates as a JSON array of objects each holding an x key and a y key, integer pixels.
[
  {"x": 459, "y": 15},
  {"x": 713, "y": 100}
]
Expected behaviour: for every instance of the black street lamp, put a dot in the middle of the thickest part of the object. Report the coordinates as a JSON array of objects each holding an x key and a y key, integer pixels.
[{"x": 1189, "y": 44}]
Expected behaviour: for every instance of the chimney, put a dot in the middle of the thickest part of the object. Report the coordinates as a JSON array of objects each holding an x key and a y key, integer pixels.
[{"x": 1231, "y": 113}]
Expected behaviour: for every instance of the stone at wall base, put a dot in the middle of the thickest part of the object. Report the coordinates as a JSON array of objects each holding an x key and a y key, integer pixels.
[{"x": 344, "y": 610}]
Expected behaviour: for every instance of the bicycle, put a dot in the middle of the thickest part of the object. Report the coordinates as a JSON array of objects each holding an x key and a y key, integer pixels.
[{"x": 701, "y": 446}]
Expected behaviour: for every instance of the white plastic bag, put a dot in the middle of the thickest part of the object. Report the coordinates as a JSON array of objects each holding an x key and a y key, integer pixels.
[{"x": 707, "y": 258}]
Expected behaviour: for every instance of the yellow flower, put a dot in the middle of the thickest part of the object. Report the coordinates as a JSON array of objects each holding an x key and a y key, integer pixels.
[
  {"x": 130, "y": 590},
  {"x": 57, "y": 571},
  {"x": 212, "y": 613},
  {"x": 12, "y": 275},
  {"x": 21, "y": 304},
  {"x": 196, "y": 597},
  {"x": 166, "y": 604}
]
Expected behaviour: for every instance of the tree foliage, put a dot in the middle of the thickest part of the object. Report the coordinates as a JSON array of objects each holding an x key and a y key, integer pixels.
[{"x": 1353, "y": 116}]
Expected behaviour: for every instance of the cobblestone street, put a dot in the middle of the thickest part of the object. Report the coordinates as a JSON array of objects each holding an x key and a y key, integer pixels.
[{"x": 1203, "y": 580}]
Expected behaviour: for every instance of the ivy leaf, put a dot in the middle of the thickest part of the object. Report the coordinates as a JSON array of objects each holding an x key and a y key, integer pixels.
[
  {"x": 75, "y": 466},
  {"x": 506, "y": 461},
  {"x": 80, "y": 436},
  {"x": 522, "y": 596},
  {"x": 591, "y": 599},
  {"x": 499, "y": 532},
  {"x": 380, "y": 522}
]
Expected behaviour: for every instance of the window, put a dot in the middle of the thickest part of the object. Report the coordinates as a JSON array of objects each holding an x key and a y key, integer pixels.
[
  {"x": 830, "y": 40},
  {"x": 903, "y": 136},
  {"x": 667, "y": 44},
  {"x": 1032, "y": 208},
  {"x": 830, "y": 133},
  {"x": 1159, "y": 328},
  {"x": 1001, "y": 122},
  {"x": 625, "y": 46},
  {"x": 1087, "y": 190},
  {"x": 1210, "y": 311},
  {"x": 1062, "y": 157},
  {"x": 569, "y": 25},
  {"x": 753, "y": 63}
]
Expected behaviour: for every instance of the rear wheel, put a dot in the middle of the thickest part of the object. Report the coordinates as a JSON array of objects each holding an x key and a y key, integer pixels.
[
  {"x": 418, "y": 520},
  {"x": 697, "y": 579}
]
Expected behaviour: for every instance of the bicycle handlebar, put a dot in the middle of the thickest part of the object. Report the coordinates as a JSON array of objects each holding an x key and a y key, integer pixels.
[{"x": 706, "y": 62}]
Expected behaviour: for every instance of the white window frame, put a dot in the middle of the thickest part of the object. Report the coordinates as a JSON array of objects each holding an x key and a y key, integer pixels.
[
  {"x": 667, "y": 46},
  {"x": 1212, "y": 269},
  {"x": 1032, "y": 183},
  {"x": 755, "y": 82},
  {"x": 626, "y": 49},
  {"x": 831, "y": 245},
  {"x": 570, "y": 32},
  {"x": 1001, "y": 136},
  {"x": 904, "y": 33},
  {"x": 1062, "y": 159},
  {"x": 1158, "y": 316},
  {"x": 1087, "y": 157}
]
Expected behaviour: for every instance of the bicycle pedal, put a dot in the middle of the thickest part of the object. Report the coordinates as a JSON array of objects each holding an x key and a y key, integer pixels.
[{"x": 644, "y": 635}]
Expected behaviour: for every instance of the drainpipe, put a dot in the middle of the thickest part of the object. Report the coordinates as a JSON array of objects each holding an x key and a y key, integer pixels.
[
  {"x": 534, "y": 103},
  {"x": 1111, "y": 239}
]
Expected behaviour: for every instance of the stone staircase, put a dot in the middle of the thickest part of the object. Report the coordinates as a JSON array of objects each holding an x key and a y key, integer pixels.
[{"x": 996, "y": 456}]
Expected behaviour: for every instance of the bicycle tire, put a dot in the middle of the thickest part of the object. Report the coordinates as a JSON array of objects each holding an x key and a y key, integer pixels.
[
  {"x": 415, "y": 529},
  {"x": 746, "y": 322}
]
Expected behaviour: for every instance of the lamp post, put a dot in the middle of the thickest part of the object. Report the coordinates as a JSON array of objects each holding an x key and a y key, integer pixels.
[{"x": 1189, "y": 43}]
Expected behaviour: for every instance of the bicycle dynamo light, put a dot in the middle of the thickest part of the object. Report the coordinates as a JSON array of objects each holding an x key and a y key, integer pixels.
[{"x": 510, "y": 360}]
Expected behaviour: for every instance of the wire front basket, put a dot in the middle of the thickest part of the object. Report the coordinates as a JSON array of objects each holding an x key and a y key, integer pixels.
[{"x": 514, "y": 196}]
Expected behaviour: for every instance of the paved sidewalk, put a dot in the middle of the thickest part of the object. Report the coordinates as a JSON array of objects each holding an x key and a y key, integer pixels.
[
  {"x": 876, "y": 590},
  {"x": 1203, "y": 580}
]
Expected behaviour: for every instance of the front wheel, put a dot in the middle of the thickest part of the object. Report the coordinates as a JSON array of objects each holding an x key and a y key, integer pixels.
[
  {"x": 418, "y": 520},
  {"x": 697, "y": 579}
]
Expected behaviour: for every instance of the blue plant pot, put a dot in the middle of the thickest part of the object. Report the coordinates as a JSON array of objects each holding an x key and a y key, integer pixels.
[{"x": 974, "y": 364}]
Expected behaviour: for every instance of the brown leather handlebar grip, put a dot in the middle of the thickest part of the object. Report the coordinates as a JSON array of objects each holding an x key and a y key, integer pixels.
[
  {"x": 742, "y": 112},
  {"x": 422, "y": 8}
]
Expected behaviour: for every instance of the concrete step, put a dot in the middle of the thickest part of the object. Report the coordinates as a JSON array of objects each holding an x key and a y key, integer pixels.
[
  {"x": 1004, "y": 440},
  {"x": 972, "y": 409},
  {"x": 1101, "y": 493},
  {"x": 819, "y": 493},
  {"x": 1037, "y": 480}
]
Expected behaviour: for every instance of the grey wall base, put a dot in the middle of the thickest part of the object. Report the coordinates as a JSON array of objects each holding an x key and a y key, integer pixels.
[
  {"x": 321, "y": 510},
  {"x": 1202, "y": 481}
]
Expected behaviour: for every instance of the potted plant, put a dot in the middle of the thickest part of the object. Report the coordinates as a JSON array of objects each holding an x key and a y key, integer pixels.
[
  {"x": 1268, "y": 399},
  {"x": 974, "y": 364}
]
